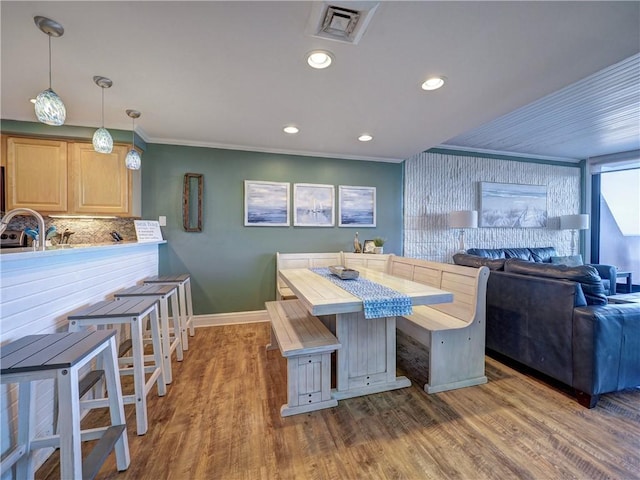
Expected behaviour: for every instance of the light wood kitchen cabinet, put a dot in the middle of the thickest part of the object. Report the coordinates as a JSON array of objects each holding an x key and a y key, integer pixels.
[
  {"x": 67, "y": 177},
  {"x": 100, "y": 182},
  {"x": 36, "y": 175}
]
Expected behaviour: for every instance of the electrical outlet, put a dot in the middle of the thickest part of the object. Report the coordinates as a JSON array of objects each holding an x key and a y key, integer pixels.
[{"x": 162, "y": 220}]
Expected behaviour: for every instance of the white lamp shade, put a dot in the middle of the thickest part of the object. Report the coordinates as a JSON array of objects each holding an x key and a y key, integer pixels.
[
  {"x": 463, "y": 219},
  {"x": 574, "y": 222}
]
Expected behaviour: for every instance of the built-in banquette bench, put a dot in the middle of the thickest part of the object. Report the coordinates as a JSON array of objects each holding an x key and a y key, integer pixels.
[
  {"x": 307, "y": 345},
  {"x": 454, "y": 333},
  {"x": 379, "y": 262}
]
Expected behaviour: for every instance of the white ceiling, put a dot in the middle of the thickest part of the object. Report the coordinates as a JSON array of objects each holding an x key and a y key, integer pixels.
[{"x": 233, "y": 74}]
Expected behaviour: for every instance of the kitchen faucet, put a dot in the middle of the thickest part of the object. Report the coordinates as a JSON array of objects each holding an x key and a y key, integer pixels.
[{"x": 26, "y": 211}]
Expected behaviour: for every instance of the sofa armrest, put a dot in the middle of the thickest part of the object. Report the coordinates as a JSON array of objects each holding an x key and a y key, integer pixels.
[
  {"x": 607, "y": 272},
  {"x": 606, "y": 348}
]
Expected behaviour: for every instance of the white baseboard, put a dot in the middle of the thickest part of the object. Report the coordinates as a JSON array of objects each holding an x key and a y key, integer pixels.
[{"x": 233, "y": 318}]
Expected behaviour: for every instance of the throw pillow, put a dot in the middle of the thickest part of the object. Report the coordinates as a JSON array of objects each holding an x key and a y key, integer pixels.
[
  {"x": 586, "y": 275},
  {"x": 569, "y": 260}
]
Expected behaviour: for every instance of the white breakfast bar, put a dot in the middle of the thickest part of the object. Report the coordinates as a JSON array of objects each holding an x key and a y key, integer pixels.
[
  {"x": 366, "y": 363},
  {"x": 38, "y": 289}
]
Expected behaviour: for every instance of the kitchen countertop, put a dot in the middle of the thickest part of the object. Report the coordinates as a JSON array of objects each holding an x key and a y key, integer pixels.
[{"x": 10, "y": 254}]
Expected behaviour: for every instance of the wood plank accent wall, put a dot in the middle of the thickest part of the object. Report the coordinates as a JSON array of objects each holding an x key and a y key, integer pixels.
[
  {"x": 437, "y": 183},
  {"x": 38, "y": 293}
]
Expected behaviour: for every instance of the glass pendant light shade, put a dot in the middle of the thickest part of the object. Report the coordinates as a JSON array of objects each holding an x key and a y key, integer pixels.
[
  {"x": 49, "y": 106},
  {"x": 50, "y": 109},
  {"x": 133, "y": 160},
  {"x": 102, "y": 141}
]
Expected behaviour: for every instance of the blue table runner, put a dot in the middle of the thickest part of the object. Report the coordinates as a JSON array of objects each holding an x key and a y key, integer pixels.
[{"x": 378, "y": 301}]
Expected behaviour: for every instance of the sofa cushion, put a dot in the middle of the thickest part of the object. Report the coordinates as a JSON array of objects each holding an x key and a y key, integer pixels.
[
  {"x": 467, "y": 260},
  {"x": 521, "y": 253},
  {"x": 487, "y": 252},
  {"x": 535, "y": 254},
  {"x": 569, "y": 260},
  {"x": 543, "y": 254},
  {"x": 586, "y": 275}
]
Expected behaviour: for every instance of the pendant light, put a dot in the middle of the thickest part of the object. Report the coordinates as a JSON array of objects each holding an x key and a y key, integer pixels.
[
  {"x": 49, "y": 106},
  {"x": 133, "y": 159},
  {"x": 102, "y": 141}
]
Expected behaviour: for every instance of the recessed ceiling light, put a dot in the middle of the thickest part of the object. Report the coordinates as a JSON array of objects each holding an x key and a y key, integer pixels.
[
  {"x": 365, "y": 137},
  {"x": 291, "y": 129},
  {"x": 319, "y": 59},
  {"x": 433, "y": 83},
  {"x": 32, "y": 100}
]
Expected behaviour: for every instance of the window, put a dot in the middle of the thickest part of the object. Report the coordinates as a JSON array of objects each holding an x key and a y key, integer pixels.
[{"x": 616, "y": 236}]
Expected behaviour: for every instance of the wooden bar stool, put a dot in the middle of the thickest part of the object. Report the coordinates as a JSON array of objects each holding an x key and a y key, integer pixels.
[
  {"x": 183, "y": 282},
  {"x": 61, "y": 356},
  {"x": 132, "y": 312},
  {"x": 162, "y": 294}
]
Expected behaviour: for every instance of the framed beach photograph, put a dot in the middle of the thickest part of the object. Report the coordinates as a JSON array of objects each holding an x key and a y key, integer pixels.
[
  {"x": 357, "y": 206},
  {"x": 369, "y": 246},
  {"x": 266, "y": 204},
  {"x": 513, "y": 205},
  {"x": 313, "y": 205}
]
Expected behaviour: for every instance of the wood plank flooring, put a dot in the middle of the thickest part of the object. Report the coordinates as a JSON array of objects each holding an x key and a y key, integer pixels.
[{"x": 220, "y": 420}]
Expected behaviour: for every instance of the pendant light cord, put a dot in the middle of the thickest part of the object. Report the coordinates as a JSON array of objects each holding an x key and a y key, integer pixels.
[
  {"x": 102, "y": 106},
  {"x": 49, "y": 62},
  {"x": 133, "y": 133}
]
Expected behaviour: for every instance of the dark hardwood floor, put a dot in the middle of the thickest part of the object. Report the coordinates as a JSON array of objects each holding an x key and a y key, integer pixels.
[{"x": 220, "y": 420}]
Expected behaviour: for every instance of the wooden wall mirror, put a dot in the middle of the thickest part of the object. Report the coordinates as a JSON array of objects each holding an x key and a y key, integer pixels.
[{"x": 192, "y": 202}]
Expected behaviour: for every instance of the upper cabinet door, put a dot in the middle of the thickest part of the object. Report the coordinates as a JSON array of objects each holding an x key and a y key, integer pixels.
[
  {"x": 101, "y": 183},
  {"x": 36, "y": 174}
]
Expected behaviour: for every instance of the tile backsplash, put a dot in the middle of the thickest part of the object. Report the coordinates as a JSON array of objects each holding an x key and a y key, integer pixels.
[{"x": 85, "y": 230}]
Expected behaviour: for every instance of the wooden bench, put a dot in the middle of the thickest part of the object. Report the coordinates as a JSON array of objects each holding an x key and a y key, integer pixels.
[
  {"x": 301, "y": 260},
  {"x": 454, "y": 333},
  {"x": 307, "y": 345},
  {"x": 378, "y": 262}
]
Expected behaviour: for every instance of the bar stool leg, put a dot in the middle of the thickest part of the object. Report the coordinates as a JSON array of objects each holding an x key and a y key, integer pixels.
[
  {"x": 70, "y": 440},
  {"x": 116, "y": 407},
  {"x": 166, "y": 341},
  {"x": 192, "y": 330},
  {"x": 161, "y": 382},
  {"x": 177, "y": 325},
  {"x": 137, "y": 348},
  {"x": 26, "y": 428},
  {"x": 183, "y": 317}
]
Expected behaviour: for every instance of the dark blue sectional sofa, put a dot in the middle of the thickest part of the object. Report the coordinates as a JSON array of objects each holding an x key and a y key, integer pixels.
[{"x": 555, "y": 319}]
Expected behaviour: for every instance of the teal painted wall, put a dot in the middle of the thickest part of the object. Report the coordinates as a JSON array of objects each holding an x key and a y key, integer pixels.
[{"x": 233, "y": 266}]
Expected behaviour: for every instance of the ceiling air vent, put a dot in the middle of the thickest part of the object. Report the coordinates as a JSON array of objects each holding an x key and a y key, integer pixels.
[
  {"x": 344, "y": 22},
  {"x": 340, "y": 22}
]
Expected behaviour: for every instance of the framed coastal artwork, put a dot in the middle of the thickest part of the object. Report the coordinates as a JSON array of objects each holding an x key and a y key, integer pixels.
[
  {"x": 313, "y": 205},
  {"x": 356, "y": 206},
  {"x": 513, "y": 205},
  {"x": 266, "y": 204}
]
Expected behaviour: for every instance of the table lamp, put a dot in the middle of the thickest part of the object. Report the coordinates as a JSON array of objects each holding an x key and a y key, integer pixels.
[
  {"x": 573, "y": 223},
  {"x": 462, "y": 219}
]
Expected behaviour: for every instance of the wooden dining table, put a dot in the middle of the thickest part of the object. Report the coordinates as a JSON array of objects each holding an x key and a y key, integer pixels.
[{"x": 367, "y": 361}]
